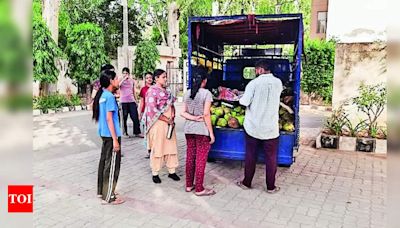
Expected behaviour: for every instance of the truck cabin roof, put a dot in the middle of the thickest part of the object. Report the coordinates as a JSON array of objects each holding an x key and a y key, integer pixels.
[{"x": 245, "y": 30}]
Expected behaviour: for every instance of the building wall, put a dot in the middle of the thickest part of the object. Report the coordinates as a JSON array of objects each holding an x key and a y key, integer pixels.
[
  {"x": 167, "y": 54},
  {"x": 355, "y": 64},
  {"x": 317, "y": 6},
  {"x": 357, "y": 21}
]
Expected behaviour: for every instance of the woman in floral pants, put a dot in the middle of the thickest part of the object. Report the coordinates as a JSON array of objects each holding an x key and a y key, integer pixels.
[{"x": 198, "y": 131}]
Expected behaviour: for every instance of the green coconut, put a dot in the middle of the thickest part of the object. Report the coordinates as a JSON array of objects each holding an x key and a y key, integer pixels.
[
  {"x": 214, "y": 119},
  {"x": 222, "y": 122}
]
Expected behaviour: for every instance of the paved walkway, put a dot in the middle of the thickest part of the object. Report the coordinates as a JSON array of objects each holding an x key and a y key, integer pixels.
[{"x": 321, "y": 189}]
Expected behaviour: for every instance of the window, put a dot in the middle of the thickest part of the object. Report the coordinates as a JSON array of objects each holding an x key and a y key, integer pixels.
[
  {"x": 321, "y": 23},
  {"x": 249, "y": 72}
]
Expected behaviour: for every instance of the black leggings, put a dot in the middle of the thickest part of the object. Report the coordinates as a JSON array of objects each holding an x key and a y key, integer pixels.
[{"x": 131, "y": 109}]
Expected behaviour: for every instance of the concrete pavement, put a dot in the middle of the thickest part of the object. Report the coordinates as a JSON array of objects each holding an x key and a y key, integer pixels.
[{"x": 321, "y": 189}]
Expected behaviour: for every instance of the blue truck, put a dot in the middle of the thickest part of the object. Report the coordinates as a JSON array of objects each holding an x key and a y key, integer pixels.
[{"x": 253, "y": 37}]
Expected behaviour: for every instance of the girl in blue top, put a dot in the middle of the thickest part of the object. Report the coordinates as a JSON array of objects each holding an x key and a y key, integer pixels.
[{"x": 105, "y": 113}]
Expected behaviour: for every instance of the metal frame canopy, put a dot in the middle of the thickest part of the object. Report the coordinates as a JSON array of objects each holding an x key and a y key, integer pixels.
[
  {"x": 245, "y": 30},
  {"x": 208, "y": 35}
]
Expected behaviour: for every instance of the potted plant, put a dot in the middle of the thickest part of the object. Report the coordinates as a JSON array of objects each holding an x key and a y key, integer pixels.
[
  {"x": 365, "y": 140},
  {"x": 329, "y": 138},
  {"x": 381, "y": 142},
  {"x": 348, "y": 140},
  {"x": 371, "y": 101}
]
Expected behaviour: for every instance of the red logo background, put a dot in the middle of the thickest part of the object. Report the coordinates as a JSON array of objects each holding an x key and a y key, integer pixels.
[{"x": 18, "y": 190}]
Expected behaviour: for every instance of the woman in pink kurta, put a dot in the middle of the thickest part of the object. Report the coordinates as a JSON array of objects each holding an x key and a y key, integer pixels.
[{"x": 159, "y": 113}]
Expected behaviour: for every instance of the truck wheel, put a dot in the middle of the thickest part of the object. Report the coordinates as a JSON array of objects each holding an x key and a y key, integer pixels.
[{"x": 211, "y": 159}]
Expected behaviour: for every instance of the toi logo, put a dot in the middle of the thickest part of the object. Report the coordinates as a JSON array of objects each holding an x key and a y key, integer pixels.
[{"x": 20, "y": 198}]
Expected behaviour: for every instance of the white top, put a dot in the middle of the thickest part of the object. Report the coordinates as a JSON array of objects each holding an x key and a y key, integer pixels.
[{"x": 262, "y": 98}]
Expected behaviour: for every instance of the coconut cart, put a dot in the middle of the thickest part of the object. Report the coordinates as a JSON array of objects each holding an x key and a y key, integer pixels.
[{"x": 229, "y": 46}]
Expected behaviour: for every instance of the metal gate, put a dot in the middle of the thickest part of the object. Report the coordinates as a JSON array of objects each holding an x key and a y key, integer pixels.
[{"x": 175, "y": 80}]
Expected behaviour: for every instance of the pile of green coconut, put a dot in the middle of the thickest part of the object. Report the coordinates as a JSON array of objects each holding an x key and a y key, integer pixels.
[{"x": 223, "y": 116}]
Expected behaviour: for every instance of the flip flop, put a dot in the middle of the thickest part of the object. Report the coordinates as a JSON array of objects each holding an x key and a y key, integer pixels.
[
  {"x": 242, "y": 186},
  {"x": 115, "y": 202},
  {"x": 275, "y": 190},
  {"x": 189, "y": 189},
  {"x": 100, "y": 196},
  {"x": 205, "y": 192}
]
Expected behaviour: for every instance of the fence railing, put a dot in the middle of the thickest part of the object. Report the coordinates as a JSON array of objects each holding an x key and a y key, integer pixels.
[{"x": 175, "y": 80}]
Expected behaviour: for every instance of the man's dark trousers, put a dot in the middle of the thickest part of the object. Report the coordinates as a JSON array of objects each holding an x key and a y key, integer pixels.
[{"x": 270, "y": 147}]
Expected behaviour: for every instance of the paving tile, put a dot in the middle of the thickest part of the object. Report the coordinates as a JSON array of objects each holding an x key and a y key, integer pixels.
[{"x": 321, "y": 189}]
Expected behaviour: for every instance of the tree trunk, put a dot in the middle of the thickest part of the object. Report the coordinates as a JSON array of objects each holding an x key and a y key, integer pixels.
[
  {"x": 44, "y": 89},
  {"x": 159, "y": 26},
  {"x": 125, "y": 23},
  {"x": 50, "y": 11},
  {"x": 88, "y": 94}
]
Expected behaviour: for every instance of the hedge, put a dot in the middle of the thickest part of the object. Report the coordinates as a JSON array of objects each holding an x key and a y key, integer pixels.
[{"x": 317, "y": 79}]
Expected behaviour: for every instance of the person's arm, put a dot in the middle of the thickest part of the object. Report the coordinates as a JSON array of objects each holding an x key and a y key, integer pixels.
[
  {"x": 111, "y": 127},
  {"x": 188, "y": 116},
  {"x": 94, "y": 92},
  {"x": 247, "y": 97},
  {"x": 116, "y": 93},
  {"x": 133, "y": 93},
  {"x": 141, "y": 106},
  {"x": 122, "y": 80},
  {"x": 207, "y": 120},
  {"x": 111, "y": 107}
]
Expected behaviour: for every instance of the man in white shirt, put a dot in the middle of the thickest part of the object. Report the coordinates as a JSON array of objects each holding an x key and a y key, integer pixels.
[{"x": 262, "y": 98}]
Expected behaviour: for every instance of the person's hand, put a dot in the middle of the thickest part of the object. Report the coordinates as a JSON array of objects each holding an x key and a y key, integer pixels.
[
  {"x": 116, "y": 146},
  {"x": 199, "y": 118},
  {"x": 212, "y": 138},
  {"x": 171, "y": 121}
]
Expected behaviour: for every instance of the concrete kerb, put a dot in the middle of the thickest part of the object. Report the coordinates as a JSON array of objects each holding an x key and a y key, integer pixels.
[
  {"x": 349, "y": 144},
  {"x": 38, "y": 112},
  {"x": 316, "y": 107}
]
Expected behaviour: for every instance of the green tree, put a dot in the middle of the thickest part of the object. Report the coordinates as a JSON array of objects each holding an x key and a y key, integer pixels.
[
  {"x": 146, "y": 59},
  {"x": 107, "y": 14},
  {"x": 188, "y": 8},
  {"x": 86, "y": 53},
  {"x": 14, "y": 63},
  {"x": 45, "y": 50},
  {"x": 156, "y": 12},
  {"x": 317, "y": 79}
]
